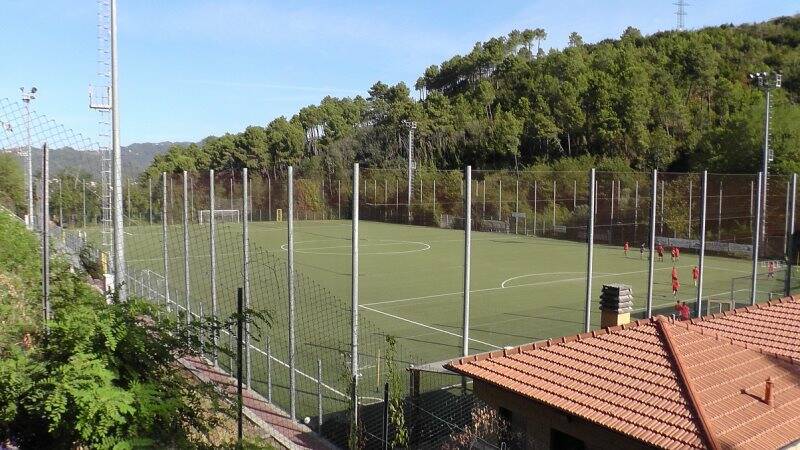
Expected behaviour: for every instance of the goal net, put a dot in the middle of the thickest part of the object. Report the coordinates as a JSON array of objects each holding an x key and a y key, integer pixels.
[{"x": 220, "y": 215}]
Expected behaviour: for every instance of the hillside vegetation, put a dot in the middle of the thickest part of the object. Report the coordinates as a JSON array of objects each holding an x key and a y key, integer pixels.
[{"x": 672, "y": 100}]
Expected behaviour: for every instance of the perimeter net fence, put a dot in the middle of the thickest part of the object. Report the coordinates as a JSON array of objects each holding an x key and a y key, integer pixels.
[{"x": 169, "y": 262}]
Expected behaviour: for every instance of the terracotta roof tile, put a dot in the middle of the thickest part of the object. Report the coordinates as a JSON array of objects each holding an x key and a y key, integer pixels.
[{"x": 669, "y": 384}]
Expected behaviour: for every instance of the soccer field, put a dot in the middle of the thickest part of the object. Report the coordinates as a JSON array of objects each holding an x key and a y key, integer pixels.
[
  {"x": 523, "y": 289},
  {"x": 411, "y": 278}
]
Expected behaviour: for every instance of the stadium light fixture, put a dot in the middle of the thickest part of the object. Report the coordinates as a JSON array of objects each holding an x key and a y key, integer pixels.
[{"x": 26, "y": 100}]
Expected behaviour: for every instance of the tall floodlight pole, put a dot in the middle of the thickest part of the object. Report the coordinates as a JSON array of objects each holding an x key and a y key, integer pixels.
[
  {"x": 411, "y": 163},
  {"x": 790, "y": 252},
  {"x": 119, "y": 238},
  {"x": 45, "y": 238},
  {"x": 766, "y": 82},
  {"x": 26, "y": 100}
]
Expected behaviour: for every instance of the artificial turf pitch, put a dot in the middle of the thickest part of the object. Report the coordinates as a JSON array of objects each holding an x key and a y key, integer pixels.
[{"x": 523, "y": 288}]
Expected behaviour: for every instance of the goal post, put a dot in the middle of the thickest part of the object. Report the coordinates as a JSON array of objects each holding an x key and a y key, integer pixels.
[{"x": 220, "y": 215}]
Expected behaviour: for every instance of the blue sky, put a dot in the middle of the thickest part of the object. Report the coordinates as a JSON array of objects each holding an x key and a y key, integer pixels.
[{"x": 191, "y": 68}]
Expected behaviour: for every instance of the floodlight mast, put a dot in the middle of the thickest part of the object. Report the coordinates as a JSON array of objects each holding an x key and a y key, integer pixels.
[
  {"x": 766, "y": 82},
  {"x": 26, "y": 100},
  {"x": 411, "y": 125}
]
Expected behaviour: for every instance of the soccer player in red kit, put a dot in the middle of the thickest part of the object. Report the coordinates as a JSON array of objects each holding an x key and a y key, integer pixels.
[
  {"x": 660, "y": 250},
  {"x": 695, "y": 274},
  {"x": 626, "y": 247},
  {"x": 675, "y": 286}
]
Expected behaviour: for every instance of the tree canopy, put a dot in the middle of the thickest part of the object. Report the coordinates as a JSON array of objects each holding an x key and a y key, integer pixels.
[{"x": 674, "y": 100}]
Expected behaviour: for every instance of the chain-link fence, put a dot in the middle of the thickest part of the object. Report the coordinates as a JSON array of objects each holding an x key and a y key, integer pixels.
[{"x": 528, "y": 270}]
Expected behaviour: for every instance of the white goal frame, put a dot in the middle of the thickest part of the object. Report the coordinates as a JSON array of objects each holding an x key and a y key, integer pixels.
[{"x": 221, "y": 215}]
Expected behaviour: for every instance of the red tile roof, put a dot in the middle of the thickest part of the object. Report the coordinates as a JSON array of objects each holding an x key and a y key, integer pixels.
[{"x": 668, "y": 384}]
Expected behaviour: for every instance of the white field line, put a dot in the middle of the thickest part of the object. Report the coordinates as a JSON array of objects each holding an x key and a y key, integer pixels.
[
  {"x": 428, "y": 326},
  {"x": 503, "y": 284},
  {"x": 539, "y": 283}
]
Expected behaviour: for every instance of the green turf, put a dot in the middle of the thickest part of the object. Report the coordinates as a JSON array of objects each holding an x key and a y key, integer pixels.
[
  {"x": 411, "y": 278},
  {"x": 411, "y": 286}
]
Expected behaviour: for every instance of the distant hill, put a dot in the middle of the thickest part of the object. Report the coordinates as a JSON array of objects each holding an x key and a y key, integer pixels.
[{"x": 135, "y": 158}]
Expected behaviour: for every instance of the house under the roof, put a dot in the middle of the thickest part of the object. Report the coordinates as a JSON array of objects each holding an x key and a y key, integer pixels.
[{"x": 727, "y": 381}]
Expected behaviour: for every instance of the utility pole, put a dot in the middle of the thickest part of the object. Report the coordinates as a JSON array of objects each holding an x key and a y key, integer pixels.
[
  {"x": 412, "y": 165},
  {"x": 26, "y": 100},
  {"x": 766, "y": 82}
]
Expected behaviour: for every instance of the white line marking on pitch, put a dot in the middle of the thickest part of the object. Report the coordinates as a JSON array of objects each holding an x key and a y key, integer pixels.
[
  {"x": 503, "y": 284},
  {"x": 427, "y": 326},
  {"x": 540, "y": 283}
]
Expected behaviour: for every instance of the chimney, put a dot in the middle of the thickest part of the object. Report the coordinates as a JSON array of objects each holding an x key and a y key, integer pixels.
[
  {"x": 616, "y": 304},
  {"x": 768, "y": 391}
]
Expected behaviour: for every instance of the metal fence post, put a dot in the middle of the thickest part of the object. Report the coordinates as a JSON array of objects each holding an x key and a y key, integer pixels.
[
  {"x": 186, "y": 279},
  {"x": 651, "y": 259},
  {"x": 719, "y": 214},
  {"x": 339, "y": 199},
  {"x": 484, "y": 198},
  {"x": 467, "y": 258},
  {"x": 661, "y": 230},
  {"x": 150, "y": 198},
  {"x": 535, "y": 202},
  {"x": 587, "y": 318},
  {"x": 319, "y": 396},
  {"x": 574, "y": 194},
  {"x": 791, "y": 254},
  {"x": 636, "y": 213},
  {"x": 269, "y": 199},
  {"x": 786, "y": 221},
  {"x": 756, "y": 241},
  {"x": 212, "y": 222},
  {"x": 268, "y": 350},
  {"x": 84, "y": 202},
  {"x": 246, "y": 269},
  {"x": 689, "y": 223},
  {"x": 701, "y": 261},
  {"x": 164, "y": 242},
  {"x": 434, "y": 199},
  {"x": 500, "y": 199},
  {"x": 554, "y": 205},
  {"x": 354, "y": 305},
  {"x": 46, "y": 237},
  {"x": 290, "y": 287}
]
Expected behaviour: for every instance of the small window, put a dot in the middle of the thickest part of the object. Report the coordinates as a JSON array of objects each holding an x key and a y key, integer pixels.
[{"x": 562, "y": 441}]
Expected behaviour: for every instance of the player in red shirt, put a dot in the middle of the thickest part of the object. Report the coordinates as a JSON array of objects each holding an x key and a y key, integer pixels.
[
  {"x": 695, "y": 274},
  {"x": 677, "y": 253},
  {"x": 674, "y": 273},
  {"x": 685, "y": 312},
  {"x": 675, "y": 286},
  {"x": 771, "y": 269},
  {"x": 626, "y": 247},
  {"x": 672, "y": 254},
  {"x": 660, "y": 250}
]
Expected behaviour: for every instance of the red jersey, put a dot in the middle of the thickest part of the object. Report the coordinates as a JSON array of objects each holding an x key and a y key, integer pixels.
[
  {"x": 677, "y": 251},
  {"x": 674, "y": 251},
  {"x": 626, "y": 247},
  {"x": 660, "y": 249},
  {"x": 695, "y": 272},
  {"x": 674, "y": 273},
  {"x": 684, "y": 312},
  {"x": 675, "y": 284}
]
